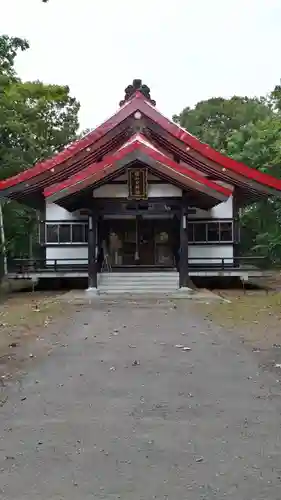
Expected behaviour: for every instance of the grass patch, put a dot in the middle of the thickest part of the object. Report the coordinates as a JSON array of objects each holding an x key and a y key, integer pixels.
[
  {"x": 23, "y": 318},
  {"x": 27, "y": 311},
  {"x": 256, "y": 315}
]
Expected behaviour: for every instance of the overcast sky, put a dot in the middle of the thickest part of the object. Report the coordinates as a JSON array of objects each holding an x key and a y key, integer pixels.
[{"x": 184, "y": 50}]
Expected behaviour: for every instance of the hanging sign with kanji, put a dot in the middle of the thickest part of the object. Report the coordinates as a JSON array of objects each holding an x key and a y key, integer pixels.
[{"x": 137, "y": 184}]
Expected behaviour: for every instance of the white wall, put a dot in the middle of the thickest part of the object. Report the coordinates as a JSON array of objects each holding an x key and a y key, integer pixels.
[
  {"x": 69, "y": 253},
  {"x": 55, "y": 212},
  {"x": 212, "y": 254},
  {"x": 223, "y": 210},
  {"x": 121, "y": 191}
]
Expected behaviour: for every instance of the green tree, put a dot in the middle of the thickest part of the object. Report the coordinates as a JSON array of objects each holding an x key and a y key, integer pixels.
[
  {"x": 36, "y": 120},
  {"x": 249, "y": 130},
  {"x": 259, "y": 146},
  {"x": 213, "y": 120}
]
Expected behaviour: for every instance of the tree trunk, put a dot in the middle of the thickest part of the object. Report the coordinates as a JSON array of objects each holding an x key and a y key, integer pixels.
[{"x": 3, "y": 242}]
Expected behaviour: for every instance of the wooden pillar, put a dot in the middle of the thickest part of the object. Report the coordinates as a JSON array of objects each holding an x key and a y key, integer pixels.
[
  {"x": 236, "y": 229},
  {"x": 100, "y": 238},
  {"x": 138, "y": 239},
  {"x": 92, "y": 261},
  {"x": 41, "y": 221},
  {"x": 184, "y": 278}
]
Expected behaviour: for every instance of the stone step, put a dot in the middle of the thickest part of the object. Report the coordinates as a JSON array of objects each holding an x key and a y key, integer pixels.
[
  {"x": 138, "y": 275},
  {"x": 133, "y": 291},
  {"x": 138, "y": 282},
  {"x": 143, "y": 286}
]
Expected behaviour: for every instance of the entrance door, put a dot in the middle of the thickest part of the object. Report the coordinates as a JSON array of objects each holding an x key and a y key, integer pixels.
[
  {"x": 165, "y": 244},
  {"x": 141, "y": 242},
  {"x": 146, "y": 242},
  {"x": 156, "y": 242}
]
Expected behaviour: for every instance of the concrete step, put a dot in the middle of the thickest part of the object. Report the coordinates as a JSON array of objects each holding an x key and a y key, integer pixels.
[
  {"x": 139, "y": 279},
  {"x": 138, "y": 283},
  {"x": 127, "y": 276},
  {"x": 146, "y": 278},
  {"x": 118, "y": 292},
  {"x": 138, "y": 273},
  {"x": 141, "y": 288},
  {"x": 142, "y": 275},
  {"x": 138, "y": 287}
]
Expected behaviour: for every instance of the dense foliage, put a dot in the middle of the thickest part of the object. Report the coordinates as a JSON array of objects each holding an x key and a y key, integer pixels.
[
  {"x": 36, "y": 120},
  {"x": 248, "y": 130}
]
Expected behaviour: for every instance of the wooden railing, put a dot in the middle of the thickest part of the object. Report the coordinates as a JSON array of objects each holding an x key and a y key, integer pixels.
[
  {"x": 36, "y": 266},
  {"x": 24, "y": 266},
  {"x": 247, "y": 263}
]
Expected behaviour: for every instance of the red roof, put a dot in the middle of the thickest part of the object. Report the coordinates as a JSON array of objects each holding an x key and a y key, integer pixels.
[
  {"x": 138, "y": 143},
  {"x": 139, "y": 103}
]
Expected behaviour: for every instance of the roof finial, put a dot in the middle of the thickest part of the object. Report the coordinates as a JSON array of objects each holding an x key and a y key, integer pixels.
[{"x": 137, "y": 85}]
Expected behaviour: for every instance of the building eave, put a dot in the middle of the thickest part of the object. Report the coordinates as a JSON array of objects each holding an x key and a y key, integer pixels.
[
  {"x": 135, "y": 108},
  {"x": 26, "y": 191},
  {"x": 163, "y": 140},
  {"x": 133, "y": 152}
]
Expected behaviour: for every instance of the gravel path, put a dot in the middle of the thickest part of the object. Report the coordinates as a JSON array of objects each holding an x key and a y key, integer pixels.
[{"x": 118, "y": 411}]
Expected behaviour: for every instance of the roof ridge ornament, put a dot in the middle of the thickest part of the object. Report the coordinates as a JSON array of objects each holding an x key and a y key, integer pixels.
[{"x": 137, "y": 86}]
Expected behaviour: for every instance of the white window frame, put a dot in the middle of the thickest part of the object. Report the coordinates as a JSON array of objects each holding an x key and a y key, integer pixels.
[
  {"x": 194, "y": 222},
  {"x": 84, "y": 224}
]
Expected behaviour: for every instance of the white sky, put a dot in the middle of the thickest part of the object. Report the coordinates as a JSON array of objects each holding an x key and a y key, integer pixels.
[{"x": 184, "y": 50}]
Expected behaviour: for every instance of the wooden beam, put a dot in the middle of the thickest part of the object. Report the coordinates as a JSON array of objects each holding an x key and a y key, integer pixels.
[
  {"x": 41, "y": 216},
  {"x": 184, "y": 278},
  {"x": 236, "y": 228},
  {"x": 92, "y": 261}
]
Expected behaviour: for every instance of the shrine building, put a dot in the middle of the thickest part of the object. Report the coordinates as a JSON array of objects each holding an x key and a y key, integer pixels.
[{"x": 138, "y": 202}]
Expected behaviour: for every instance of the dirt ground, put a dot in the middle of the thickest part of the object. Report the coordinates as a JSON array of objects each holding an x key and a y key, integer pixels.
[
  {"x": 253, "y": 317},
  {"x": 23, "y": 319},
  {"x": 140, "y": 399},
  {"x": 145, "y": 400}
]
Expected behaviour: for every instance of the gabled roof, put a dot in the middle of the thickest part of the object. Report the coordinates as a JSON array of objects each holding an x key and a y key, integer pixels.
[
  {"x": 137, "y": 106},
  {"x": 138, "y": 148}
]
